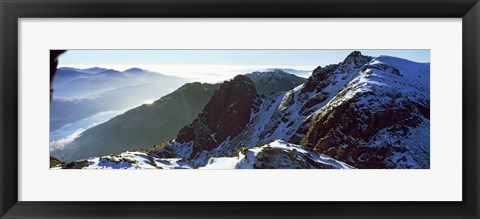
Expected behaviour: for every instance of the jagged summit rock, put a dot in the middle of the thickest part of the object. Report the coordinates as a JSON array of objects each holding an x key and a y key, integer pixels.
[
  {"x": 324, "y": 76},
  {"x": 224, "y": 116},
  {"x": 241, "y": 78},
  {"x": 357, "y": 58}
]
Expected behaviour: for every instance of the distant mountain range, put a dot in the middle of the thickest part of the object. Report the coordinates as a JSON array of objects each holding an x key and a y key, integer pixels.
[
  {"x": 364, "y": 112},
  {"x": 80, "y": 93}
]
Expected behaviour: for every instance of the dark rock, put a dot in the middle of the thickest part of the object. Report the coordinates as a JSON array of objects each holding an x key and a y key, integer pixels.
[
  {"x": 273, "y": 81},
  {"x": 385, "y": 67},
  {"x": 337, "y": 132},
  {"x": 357, "y": 59},
  {"x": 75, "y": 164},
  {"x": 275, "y": 158},
  {"x": 319, "y": 77},
  {"x": 225, "y": 115},
  {"x": 319, "y": 98},
  {"x": 54, "y": 161}
]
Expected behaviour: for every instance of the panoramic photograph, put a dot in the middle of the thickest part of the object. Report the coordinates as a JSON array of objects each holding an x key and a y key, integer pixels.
[{"x": 239, "y": 109}]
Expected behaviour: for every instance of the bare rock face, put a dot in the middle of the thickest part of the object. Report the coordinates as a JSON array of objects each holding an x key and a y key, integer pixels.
[
  {"x": 346, "y": 132},
  {"x": 275, "y": 158},
  {"x": 320, "y": 78},
  {"x": 225, "y": 115}
]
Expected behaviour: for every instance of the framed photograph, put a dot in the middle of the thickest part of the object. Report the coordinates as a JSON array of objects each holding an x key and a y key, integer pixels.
[{"x": 239, "y": 109}]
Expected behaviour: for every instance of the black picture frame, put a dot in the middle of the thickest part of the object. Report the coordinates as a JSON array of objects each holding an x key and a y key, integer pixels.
[{"x": 12, "y": 10}]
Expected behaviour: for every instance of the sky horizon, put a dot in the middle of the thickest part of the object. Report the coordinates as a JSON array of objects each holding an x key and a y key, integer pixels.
[{"x": 218, "y": 65}]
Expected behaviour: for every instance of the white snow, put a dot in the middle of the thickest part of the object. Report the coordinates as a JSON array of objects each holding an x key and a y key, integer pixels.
[
  {"x": 218, "y": 163},
  {"x": 247, "y": 158},
  {"x": 134, "y": 160}
]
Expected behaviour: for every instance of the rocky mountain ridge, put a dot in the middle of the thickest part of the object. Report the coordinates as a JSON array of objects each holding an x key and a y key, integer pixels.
[
  {"x": 364, "y": 112},
  {"x": 350, "y": 111}
]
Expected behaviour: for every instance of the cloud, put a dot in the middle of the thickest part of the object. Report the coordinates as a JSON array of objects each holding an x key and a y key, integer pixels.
[{"x": 59, "y": 144}]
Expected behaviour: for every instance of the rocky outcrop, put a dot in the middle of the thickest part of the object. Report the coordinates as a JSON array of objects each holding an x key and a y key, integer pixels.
[
  {"x": 54, "y": 161},
  {"x": 324, "y": 76},
  {"x": 274, "y": 80},
  {"x": 320, "y": 78},
  {"x": 348, "y": 131},
  {"x": 357, "y": 59},
  {"x": 225, "y": 115}
]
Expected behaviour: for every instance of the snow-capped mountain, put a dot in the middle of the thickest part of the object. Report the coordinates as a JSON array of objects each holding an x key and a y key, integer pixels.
[
  {"x": 381, "y": 119},
  {"x": 364, "y": 112},
  {"x": 368, "y": 112}
]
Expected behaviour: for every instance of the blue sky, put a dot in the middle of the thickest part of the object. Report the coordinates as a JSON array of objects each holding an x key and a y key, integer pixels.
[{"x": 225, "y": 57}]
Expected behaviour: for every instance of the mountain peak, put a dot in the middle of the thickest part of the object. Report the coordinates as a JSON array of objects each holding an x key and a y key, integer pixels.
[
  {"x": 242, "y": 78},
  {"x": 357, "y": 58},
  {"x": 274, "y": 80},
  {"x": 355, "y": 54},
  {"x": 109, "y": 71},
  {"x": 94, "y": 70},
  {"x": 134, "y": 70}
]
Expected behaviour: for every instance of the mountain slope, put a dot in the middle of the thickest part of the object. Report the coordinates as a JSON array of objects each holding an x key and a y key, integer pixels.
[
  {"x": 78, "y": 95},
  {"x": 147, "y": 125},
  {"x": 381, "y": 119},
  {"x": 143, "y": 126}
]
